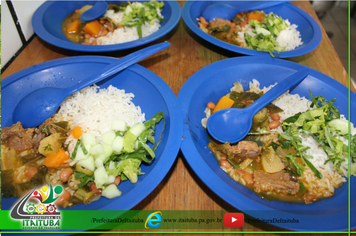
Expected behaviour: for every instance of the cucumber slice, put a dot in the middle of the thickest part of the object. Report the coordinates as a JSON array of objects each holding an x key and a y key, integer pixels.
[
  {"x": 111, "y": 166},
  {"x": 107, "y": 150},
  {"x": 106, "y": 154},
  {"x": 118, "y": 125},
  {"x": 100, "y": 177},
  {"x": 79, "y": 156},
  {"x": 88, "y": 147},
  {"x": 128, "y": 10},
  {"x": 111, "y": 191},
  {"x": 118, "y": 144},
  {"x": 137, "y": 129},
  {"x": 97, "y": 150},
  {"x": 341, "y": 125},
  {"x": 87, "y": 163},
  {"x": 103, "y": 157},
  {"x": 108, "y": 137},
  {"x": 111, "y": 179},
  {"x": 89, "y": 139},
  {"x": 99, "y": 162},
  {"x": 260, "y": 30}
]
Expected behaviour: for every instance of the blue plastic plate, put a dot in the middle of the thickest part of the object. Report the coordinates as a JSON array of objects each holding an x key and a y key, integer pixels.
[
  {"x": 307, "y": 26},
  {"x": 152, "y": 94},
  {"x": 215, "y": 80},
  {"x": 47, "y": 20}
]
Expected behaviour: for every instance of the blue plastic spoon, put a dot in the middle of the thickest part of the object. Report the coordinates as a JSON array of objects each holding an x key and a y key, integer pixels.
[
  {"x": 95, "y": 12},
  {"x": 233, "y": 124},
  {"x": 41, "y": 104},
  {"x": 227, "y": 12}
]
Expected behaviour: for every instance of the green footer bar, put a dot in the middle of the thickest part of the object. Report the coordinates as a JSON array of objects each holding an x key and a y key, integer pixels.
[{"x": 69, "y": 221}]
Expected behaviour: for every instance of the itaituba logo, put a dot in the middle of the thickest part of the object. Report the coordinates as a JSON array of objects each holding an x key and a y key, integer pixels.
[{"x": 37, "y": 209}]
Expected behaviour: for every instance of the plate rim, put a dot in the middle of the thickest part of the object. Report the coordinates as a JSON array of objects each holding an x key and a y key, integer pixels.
[
  {"x": 317, "y": 37},
  {"x": 42, "y": 33},
  {"x": 203, "y": 170}
]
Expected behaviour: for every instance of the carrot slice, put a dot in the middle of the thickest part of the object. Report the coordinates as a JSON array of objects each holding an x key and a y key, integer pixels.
[
  {"x": 93, "y": 27},
  {"x": 73, "y": 27},
  {"x": 255, "y": 16},
  {"x": 76, "y": 132},
  {"x": 223, "y": 103},
  {"x": 57, "y": 159}
]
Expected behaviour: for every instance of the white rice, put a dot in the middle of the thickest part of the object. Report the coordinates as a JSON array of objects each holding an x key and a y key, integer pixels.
[
  {"x": 290, "y": 103},
  {"x": 126, "y": 34},
  {"x": 289, "y": 37},
  {"x": 93, "y": 109},
  {"x": 241, "y": 34}
]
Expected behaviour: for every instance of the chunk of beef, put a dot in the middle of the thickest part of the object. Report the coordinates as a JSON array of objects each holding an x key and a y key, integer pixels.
[
  {"x": 47, "y": 127},
  {"x": 219, "y": 24},
  {"x": 222, "y": 29},
  {"x": 279, "y": 182},
  {"x": 17, "y": 138},
  {"x": 244, "y": 149},
  {"x": 43, "y": 131}
]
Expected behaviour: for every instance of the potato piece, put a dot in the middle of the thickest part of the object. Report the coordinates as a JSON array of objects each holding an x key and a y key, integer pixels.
[
  {"x": 9, "y": 160},
  {"x": 50, "y": 145},
  {"x": 284, "y": 152},
  {"x": 270, "y": 162}
]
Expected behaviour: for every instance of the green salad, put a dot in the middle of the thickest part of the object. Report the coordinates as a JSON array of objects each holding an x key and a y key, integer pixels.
[
  {"x": 326, "y": 126},
  {"x": 127, "y": 149},
  {"x": 136, "y": 14},
  {"x": 266, "y": 34},
  {"x": 255, "y": 30}
]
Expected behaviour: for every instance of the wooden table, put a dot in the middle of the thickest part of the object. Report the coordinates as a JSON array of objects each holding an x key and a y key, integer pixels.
[{"x": 187, "y": 54}]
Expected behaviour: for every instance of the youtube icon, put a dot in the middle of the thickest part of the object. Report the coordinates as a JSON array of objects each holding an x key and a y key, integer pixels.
[{"x": 234, "y": 219}]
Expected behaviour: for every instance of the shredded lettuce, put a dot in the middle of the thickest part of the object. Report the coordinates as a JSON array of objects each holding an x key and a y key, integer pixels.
[
  {"x": 136, "y": 14},
  {"x": 127, "y": 164},
  {"x": 323, "y": 124},
  {"x": 128, "y": 167},
  {"x": 129, "y": 142},
  {"x": 84, "y": 178},
  {"x": 290, "y": 139},
  {"x": 266, "y": 34},
  {"x": 316, "y": 123}
]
